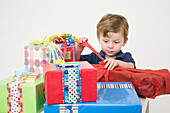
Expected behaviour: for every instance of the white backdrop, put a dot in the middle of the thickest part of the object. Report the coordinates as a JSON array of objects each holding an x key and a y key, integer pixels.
[
  {"x": 22, "y": 21},
  {"x": 25, "y": 20}
]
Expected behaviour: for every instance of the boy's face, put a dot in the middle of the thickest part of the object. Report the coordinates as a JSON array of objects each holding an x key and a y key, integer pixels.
[{"x": 112, "y": 43}]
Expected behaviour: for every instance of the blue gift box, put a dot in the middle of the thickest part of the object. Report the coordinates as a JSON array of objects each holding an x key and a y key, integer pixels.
[{"x": 112, "y": 97}]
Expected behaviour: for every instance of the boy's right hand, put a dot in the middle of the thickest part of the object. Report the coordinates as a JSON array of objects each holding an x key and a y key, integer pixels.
[
  {"x": 79, "y": 47},
  {"x": 81, "y": 40}
]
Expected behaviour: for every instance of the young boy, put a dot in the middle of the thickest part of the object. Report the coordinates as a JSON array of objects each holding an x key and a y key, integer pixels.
[{"x": 112, "y": 31}]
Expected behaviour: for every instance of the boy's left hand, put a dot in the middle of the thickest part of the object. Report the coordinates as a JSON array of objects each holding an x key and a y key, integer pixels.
[{"x": 111, "y": 63}]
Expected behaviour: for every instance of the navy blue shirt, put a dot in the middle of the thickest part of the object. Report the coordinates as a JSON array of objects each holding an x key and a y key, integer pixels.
[{"x": 94, "y": 59}]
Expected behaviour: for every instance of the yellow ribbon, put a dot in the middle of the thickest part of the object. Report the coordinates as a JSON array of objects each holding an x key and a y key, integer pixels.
[
  {"x": 60, "y": 62},
  {"x": 36, "y": 42}
]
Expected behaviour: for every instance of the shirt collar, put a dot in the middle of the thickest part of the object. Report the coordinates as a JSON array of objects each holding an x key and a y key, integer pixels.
[
  {"x": 118, "y": 55},
  {"x": 102, "y": 53}
]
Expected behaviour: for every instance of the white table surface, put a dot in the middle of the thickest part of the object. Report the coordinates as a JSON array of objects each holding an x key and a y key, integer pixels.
[{"x": 144, "y": 102}]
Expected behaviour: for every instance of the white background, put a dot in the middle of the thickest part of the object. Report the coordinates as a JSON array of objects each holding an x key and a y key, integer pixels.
[{"x": 25, "y": 20}]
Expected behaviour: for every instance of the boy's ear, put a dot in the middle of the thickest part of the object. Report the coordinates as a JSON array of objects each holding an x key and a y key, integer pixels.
[
  {"x": 98, "y": 40},
  {"x": 125, "y": 41}
]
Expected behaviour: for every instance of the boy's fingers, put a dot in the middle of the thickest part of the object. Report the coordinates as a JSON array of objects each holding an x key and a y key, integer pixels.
[
  {"x": 111, "y": 66},
  {"x": 80, "y": 40},
  {"x": 107, "y": 64},
  {"x": 114, "y": 65},
  {"x": 105, "y": 60},
  {"x": 85, "y": 39}
]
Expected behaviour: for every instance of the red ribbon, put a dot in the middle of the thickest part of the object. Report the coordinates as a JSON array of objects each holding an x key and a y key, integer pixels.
[
  {"x": 65, "y": 50},
  {"x": 91, "y": 48},
  {"x": 101, "y": 71}
]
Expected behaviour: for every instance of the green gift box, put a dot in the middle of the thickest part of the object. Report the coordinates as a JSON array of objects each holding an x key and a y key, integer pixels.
[{"x": 32, "y": 97}]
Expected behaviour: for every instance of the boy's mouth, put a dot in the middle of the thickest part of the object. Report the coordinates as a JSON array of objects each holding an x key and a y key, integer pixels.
[{"x": 110, "y": 51}]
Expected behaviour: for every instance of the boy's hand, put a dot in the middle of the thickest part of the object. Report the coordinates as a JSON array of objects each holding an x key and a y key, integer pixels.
[
  {"x": 79, "y": 47},
  {"x": 81, "y": 40},
  {"x": 111, "y": 63}
]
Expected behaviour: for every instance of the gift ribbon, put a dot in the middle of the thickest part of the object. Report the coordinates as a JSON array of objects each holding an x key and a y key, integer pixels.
[
  {"x": 69, "y": 108},
  {"x": 111, "y": 85},
  {"x": 86, "y": 44},
  {"x": 68, "y": 38},
  {"x": 65, "y": 50},
  {"x": 33, "y": 77},
  {"x": 102, "y": 63},
  {"x": 22, "y": 77},
  {"x": 54, "y": 49},
  {"x": 14, "y": 97},
  {"x": 71, "y": 85},
  {"x": 71, "y": 82}
]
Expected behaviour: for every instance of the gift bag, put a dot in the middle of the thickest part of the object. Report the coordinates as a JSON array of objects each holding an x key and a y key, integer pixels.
[
  {"x": 67, "y": 44},
  {"x": 68, "y": 51}
]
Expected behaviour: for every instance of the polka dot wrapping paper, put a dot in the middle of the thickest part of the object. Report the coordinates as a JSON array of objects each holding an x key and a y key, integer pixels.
[
  {"x": 71, "y": 85},
  {"x": 14, "y": 98},
  {"x": 36, "y": 56}
]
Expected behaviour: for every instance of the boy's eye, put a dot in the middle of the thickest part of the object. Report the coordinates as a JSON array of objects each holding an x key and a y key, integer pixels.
[
  {"x": 105, "y": 41},
  {"x": 116, "y": 42}
]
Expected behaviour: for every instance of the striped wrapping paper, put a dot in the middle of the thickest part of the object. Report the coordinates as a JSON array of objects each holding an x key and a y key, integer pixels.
[{"x": 101, "y": 85}]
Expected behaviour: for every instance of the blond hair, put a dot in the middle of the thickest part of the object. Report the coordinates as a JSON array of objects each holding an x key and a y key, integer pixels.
[{"x": 112, "y": 23}]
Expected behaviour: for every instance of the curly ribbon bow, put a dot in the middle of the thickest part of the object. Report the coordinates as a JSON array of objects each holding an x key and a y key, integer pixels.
[{"x": 54, "y": 49}]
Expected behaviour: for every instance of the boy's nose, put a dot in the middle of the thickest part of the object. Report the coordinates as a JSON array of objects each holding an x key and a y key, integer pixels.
[{"x": 110, "y": 45}]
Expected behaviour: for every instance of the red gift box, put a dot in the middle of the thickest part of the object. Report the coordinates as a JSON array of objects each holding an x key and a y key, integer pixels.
[{"x": 54, "y": 86}]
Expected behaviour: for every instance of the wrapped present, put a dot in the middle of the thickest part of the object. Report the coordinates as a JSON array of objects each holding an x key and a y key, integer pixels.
[
  {"x": 67, "y": 44},
  {"x": 112, "y": 97},
  {"x": 35, "y": 57},
  {"x": 39, "y": 53},
  {"x": 70, "y": 83},
  {"x": 148, "y": 83},
  {"x": 21, "y": 95}
]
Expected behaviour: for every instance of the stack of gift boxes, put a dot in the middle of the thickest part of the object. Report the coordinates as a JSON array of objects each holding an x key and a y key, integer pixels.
[
  {"x": 26, "y": 94},
  {"x": 67, "y": 87},
  {"x": 72, "y": 88}
]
